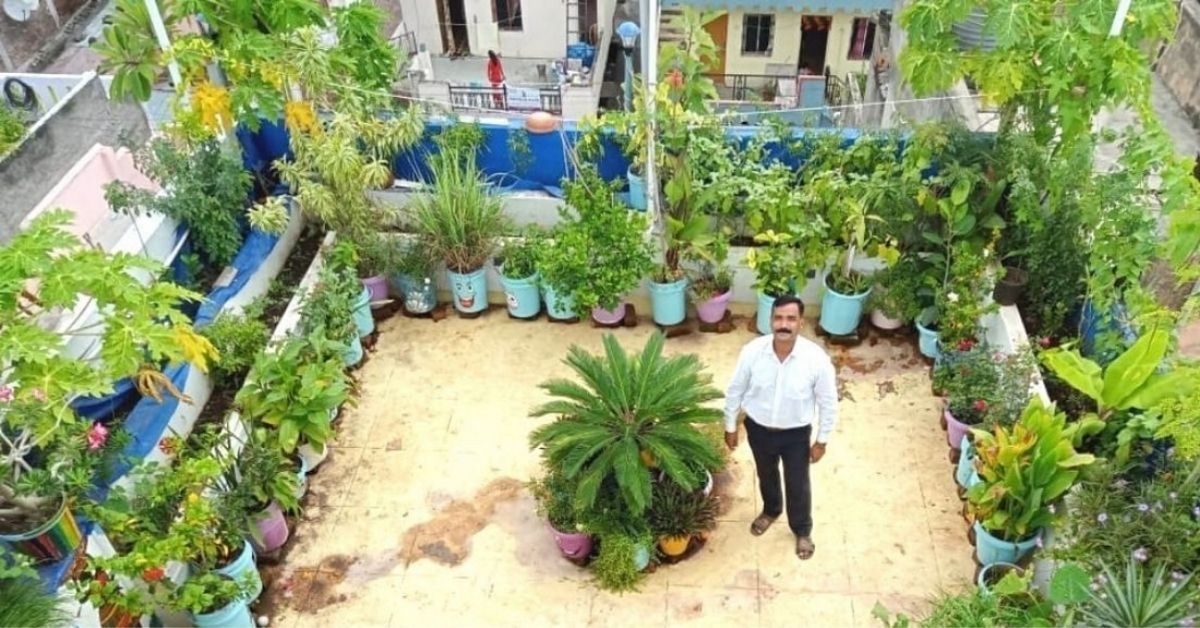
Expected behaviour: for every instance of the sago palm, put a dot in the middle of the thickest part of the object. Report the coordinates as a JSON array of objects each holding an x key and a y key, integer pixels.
[{"x": 627, "y": 405}]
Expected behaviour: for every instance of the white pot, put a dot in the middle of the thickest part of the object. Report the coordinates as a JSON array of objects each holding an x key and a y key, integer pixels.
[
  {"x": 312, "y": 457},
  {"x": 708, "y": 488},
  {"x": 882, "y": 321}
]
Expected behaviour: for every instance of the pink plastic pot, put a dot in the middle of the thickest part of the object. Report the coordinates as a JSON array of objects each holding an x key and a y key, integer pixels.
[
  {"x": 955, "y": 429},
  {"x": 377, "y": 287},
  {"x": 272, "y": 529},
  {"x": 573, "y": 545},
  {"x": 609, "y": 317},
  {"x": 713, "y": 310}
]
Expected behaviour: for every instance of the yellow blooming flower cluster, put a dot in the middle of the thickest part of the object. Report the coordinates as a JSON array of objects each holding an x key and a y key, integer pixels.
[
  {"x": 300, "y": 117},
  {"x": 213, "y": 105}
]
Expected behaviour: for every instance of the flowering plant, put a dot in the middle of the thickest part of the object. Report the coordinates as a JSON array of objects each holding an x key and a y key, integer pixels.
[
  {"x": 983, "y": 385},
  {"x": 960, "y": 302}
]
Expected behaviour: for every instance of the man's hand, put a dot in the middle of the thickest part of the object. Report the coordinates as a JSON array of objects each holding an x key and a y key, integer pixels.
[
  {"x": 815, "y": 453},
  {"x": 731, "y": 439}
]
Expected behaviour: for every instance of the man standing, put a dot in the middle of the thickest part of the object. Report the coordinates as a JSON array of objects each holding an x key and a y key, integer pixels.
[{"x": 783, "y": 382}]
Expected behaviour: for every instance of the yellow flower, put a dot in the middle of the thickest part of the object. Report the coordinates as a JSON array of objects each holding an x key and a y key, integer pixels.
[
  {"x": 214, "y": 106},
  {"x": 300, "y": 117}
]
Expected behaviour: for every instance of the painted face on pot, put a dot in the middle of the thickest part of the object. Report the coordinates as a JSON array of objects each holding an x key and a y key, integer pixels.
[{"x": 466, "y": 295}]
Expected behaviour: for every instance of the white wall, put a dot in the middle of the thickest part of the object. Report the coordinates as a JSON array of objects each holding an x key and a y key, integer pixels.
[
  {"x": 543, "y": 35},
  {"x": 421, "y": 17},
  {"x": 786, "y": 45}
]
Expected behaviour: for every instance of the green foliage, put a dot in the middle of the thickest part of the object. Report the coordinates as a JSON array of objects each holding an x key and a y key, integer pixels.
[
  {"x": 975, "y": 608},
  {"x": 458, "y": 217},
  {"x": 897, "y": 288},
  {"x": 417, "y": 260},
  {"x": 555, "y": 495},
  {"x": 12, "y": 128},
  {"x": 676, "y": 511},
  {"x": 598, "y": 252},
  {"x": 1178, "y": 421},
  {"x": 775, "y": 264},
  {"x": 625, "y": 406},
  {"x": 615, "y": 568},
  {"x": 25, "y": 602},
  {"x": 269, "y": 216},
  {"x": 207, "y": 592},
  {"x": 1024, "y": 469},
  {"x": 1133, "y": 599},
  {"x": 238, "y": 338},
  {"x": 518, "y": 258},
  {"x": 359, "y": 27},
  {"x": 129, "y": 51},
  {"x": 519, "y": 150},
  {"x": 985, "y": 387},
  {"x": 326, "y": 309},
  {"x": 205, "y": 190}
]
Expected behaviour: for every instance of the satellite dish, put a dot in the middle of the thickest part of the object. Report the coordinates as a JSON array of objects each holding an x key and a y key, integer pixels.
[{"x": 20, "y": 10}]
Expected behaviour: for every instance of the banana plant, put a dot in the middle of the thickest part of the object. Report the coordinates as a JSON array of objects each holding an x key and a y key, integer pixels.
[
  {"x": 1024, "y": 469},
  {"x": 1130, "y": 382}
]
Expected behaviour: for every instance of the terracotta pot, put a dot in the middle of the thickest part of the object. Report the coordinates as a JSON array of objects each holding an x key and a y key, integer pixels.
[{"x": 674, "y": 545}]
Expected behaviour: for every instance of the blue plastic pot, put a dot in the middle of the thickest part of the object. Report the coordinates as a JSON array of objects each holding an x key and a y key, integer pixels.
[
  {"x": 641, "y": 557},
  {"x": 841, "y": 313},
  {"x": 360, "y": 309},
  {"x": 996, "y": 570},
  {"x": 965, "y": 468},
  {"x": 927, "y": 338},
  {"x": 522, "y": 296},
  {"x": 637, "y": 190},
  {"x": 469, "y": 290},
  {"x": 244, "y": 564},
  {"x": 990, "y": 550},
  {"x": 235, "y": 615},
  {"x": 668, "y": 302},
  {"x": 302, "y": 479},
  {"x": 763, "y": 321},
  {"x": 558, "y": 306},
  {"x": 354, "y": 352}
]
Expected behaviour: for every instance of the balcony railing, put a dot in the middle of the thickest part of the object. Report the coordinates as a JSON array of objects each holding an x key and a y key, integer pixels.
[
  {"x": 406, "y": 42},
  {"x": 752, "y": 87},
  {"x": 505, "y": 98}
]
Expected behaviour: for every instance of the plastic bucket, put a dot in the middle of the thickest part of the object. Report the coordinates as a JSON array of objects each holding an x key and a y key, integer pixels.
[
  {"x": 559, "y": 307},
  {"x": 361, "y": 311},
  {"x": 469, "y": 290},
  {"x": 841, "y": 313},
  {"x": 242, "y": 565},
  {"x": 927, "y": 338},
  {"x": 713, "y": 310},
  {"x": 637, "y": 191},
  {"x": 377, "y": 287},
  {"x": 668, "y": 302},
  {"x": 609, "y": 317},
  {"x": 521, "y": 296},
  {"x": 763, "y": 321},
  {"x": 991, "y": 550},
  {"x": 52, "y": 541}
]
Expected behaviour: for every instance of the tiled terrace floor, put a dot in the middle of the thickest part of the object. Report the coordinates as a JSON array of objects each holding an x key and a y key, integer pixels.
[{"x": 420, "y": 516}]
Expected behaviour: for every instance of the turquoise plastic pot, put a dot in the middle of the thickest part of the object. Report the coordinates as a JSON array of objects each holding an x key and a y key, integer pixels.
[
  {"x": 354, "y": 352},
  {"x": 244, "y": 564},
  {"x": 641, "y": 557},
  {"x": 469, "y": 290},
  {"x": 235, "y": 615},
  {"x": 668, "y": 302},
  {"x": 522, "y": 296},
  {"x": 558, "y": 307},
  {"x": 361, "y": 311},
  {"x": 990, "y": 550},
  {"x": 763, "y": 322},
  {"x": 966, "y": 467},
  {"x": 841, "y": 313},
  {"x": 927, "y": 338},
  {"x": 637, "y": 190},
  {"x": 994, "y": 570}
]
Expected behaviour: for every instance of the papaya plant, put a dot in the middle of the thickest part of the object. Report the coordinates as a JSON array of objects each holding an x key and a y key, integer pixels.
[
  {"x": 1024, "y": 469},
  {"x": 1133, "y": 381}
]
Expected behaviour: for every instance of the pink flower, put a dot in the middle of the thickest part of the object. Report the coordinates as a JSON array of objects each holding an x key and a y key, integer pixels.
[
  {"x": 6, "y": 393},
  {"x": 97, "y": 436},
  {"x": 38, "y": 394}
]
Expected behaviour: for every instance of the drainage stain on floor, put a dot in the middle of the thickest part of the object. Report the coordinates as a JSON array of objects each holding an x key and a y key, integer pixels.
[{"x": 446, "y": 538}]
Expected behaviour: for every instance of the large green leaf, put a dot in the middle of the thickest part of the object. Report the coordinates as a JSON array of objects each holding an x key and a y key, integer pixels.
[
  {"x": 1132, "y": 368},
  {"x": 1081, "y": 373},
  {"x": 1156, "y": 389}
]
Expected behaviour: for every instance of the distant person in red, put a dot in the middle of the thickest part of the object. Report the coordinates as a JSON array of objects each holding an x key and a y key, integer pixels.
[{"x": 495, "y": 75}]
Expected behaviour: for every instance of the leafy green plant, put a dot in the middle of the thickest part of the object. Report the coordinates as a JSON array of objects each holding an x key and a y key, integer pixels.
[
  {"x": 12, "y": 129},
  {"x": 518, "y": 258},
  {"x": 1024, "y": 470},
  {"x": 458, "y": 217},
  {"x": 675, "y": 511},
  {"x": 417, "y": 260},
  {"x": 269, "y": 216},
  {"x": 897, "y": 290},
  {"x": 1177, "y": 421},
  {"x": 615, "y": 568},
  {"x": 295, "y": 393},
  {"x": 26, "y": 602},
  {"x": 207, "y": 592},
  {"x": 1133, "y": 599},
  {"x": 326, "y": 309},
  {"x": 360, "y": 37},
  {"x": 129, "y": 51},
  {"x": 205, "y": 189},
  {"x": 774, "y": 264},
  {"x": 519, "y": 150},
  {"x": 626, "y": 408},
  {"x": 985, "y": 387},
  {"x": 238, "y": 338},
  {"x": 555, "y": 496}
]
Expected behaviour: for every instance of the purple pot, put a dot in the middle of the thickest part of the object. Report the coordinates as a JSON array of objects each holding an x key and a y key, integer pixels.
[
  {"x": 713, "y": 310},
  {"x": 271, "y": 529},
  {"x": 609, "y": 317},
  {"x": 955, "y": 429},
  {"x": 377, "y": 287},
  {"x": 572, "y": 544}
]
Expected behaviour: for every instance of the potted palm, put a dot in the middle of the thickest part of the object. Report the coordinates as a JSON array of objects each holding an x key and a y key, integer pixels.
[
  {"x": 1023, "y": 469},
  {"x": 677, "y": 514},
  {"x": 519, "y": 275},
  {"x": 460, "y": 220}
]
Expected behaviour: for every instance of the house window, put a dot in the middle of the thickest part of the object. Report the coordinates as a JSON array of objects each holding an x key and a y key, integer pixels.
[
  {"x": 757, "y": 32},
  {"x": 862, "y": 38},
  {"x": 508, "y": 14}
]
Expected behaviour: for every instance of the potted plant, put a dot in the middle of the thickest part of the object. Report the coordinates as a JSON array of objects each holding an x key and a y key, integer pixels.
[
  {"x": 328, "y": 313},
  {"x": 296, "y": 393},
  {"x": 563, "y": 267},
  {"x": 260, "y": 481},
  {"x": 212, "y": 600},
  {"x": 845, "y": 205},
  {"x": 712, "y": 285},
  {"x": 677, "y": 514},
  {"x": 26, "y": 602},
  {"x": 519, "y": 274},
  {"x": 376, "y": 259},
  {"x": 117, "y": 606},
  {"x": 415, "y": 280},
  {"x": 984, "y": 387},
  {"x": 1024, "y": 469},
  {"x": 460, "y": 219},
  {"x": 50, "y": 270},
  {"x": 622, "y": 416},
  {"x": 895, "y": 298},
  {"x": 555, "y": 496},
  {"x": 775, "y": 269}
]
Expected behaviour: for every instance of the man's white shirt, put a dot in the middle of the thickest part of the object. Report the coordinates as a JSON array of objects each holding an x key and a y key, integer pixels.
[{"x": 787, "y": 394}]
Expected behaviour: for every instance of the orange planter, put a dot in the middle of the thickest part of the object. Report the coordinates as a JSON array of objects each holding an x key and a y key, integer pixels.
[{"x": 674, "y": 545}]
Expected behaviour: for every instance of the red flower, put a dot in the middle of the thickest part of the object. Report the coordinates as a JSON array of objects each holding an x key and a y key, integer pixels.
[
  {"x": 169, "y": 445},
  {"x": 152, "y": 574},
  {"x": 1045, "y": 342},
  {"x": 965, "y": 344},
  {"x": 980, "y": 405}
]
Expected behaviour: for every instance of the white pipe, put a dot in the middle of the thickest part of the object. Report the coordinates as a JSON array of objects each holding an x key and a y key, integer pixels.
[
  {"x": 160, "y": 33},
  {"x": 650, "y": 74},
  {"x": 1119, "y": 18}
]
